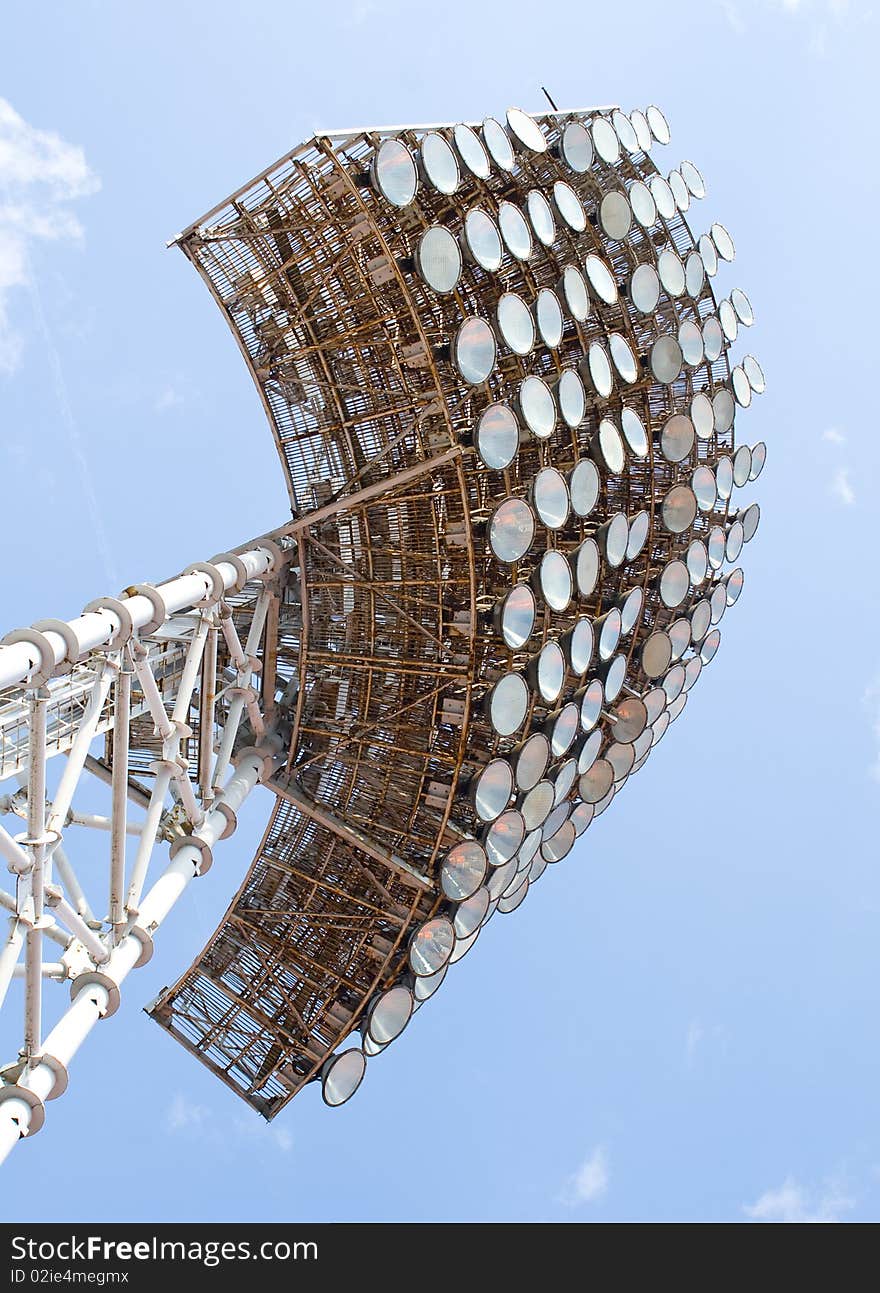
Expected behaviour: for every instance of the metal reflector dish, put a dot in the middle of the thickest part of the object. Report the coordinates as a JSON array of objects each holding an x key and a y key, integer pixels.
[
  {"x": 596, "y": 782},
  {"x": 530, "y": 761},
  {"x": 724, "y": 477},
  {"x": 609, "y": 447},
  {"x": 608, "y": 627},
  {"x": 585, "y": 564},
  {"x": 526, "y": 131},
  {"x": 571, "y": 398},
  {"x": 515, "y": 324},
  {"x": 677, "y": 438},
  {"x": 716, "y": 546},
  {"x": 614, "y": 536},
  {"x": 694, "y": 274},
  {"x": 704, "y": 487},
  {"x": 342, "y": 1074},
  {"x": 662, "y": 195},
  {"x": 541, "y": 217},
  {"x": 548, "y": 313},
  {"x": 755, "y": 373},
  {"x": 658, "y": 124},
  {"x": 550, "y": 498},
  {"x": 759, "y": 457},
  {"x": 701, "y": 618},
  {"x": 623, "y": 358},
  {"x": 438, "y": 259},
  {"x": 470, "y": 913},
  {"x": 430, "y": 945},
  {"x": 750, "y": 519},
  {"x": 713, "y": 339},
  {"x": 498, "y": 144},
  {"x": 474, "y": 351},
  {"x": 511, "y": 530},
  {"x": 642, "y": 129},
  {"x": 692, "y": 671},
  {"x": 471, "y": 151},
  {"x": 563, "y": 779},
  {"x": 483, "y": 240},
  {"x": 742, "y": 465},
  {"x": 576, "y": 148},
  {"x": 510, "y": 902},
  {"x": 425, "y": 985},
  {"x": 630, "y": 610},
  {"x": 597, "y": 369},
  {"x": 508, "y": 703},
  {"x": 679, "y": 190},
  {"x": 515, "y": 231},
  {"x": 504, "y": 837},
  {"x": 708, "y": 254},
  {"x": 581, "y": 818},
  {"x": 638, "y": 534},
  {"x": 497, "y": 437},
  {"x": 621, "y": 756},
  {"x": 674, "y": 584},
  {"x": 601, "y": 279},
  {"x": 578, "y": 645},
  {"x": 463, "y": 870},
  {"x": 630, "y": 719},
  {"x": 644, "y": 289},
  {"x": 574, "y": 292},
  {"x": 389, "y": 1014},
  {"x": 614, "y": 678},
  {"x": 723, "y": 242},
  {"x": 718, "y": 602},
  {"x": 666, "y": 359},
  {"x": 697, "y": 560},
  {"x": 734, "y": 585},
  {"x": 589, "y": 751},
  {"x": 549, "y": 668},
  {"x": 710, "y": 646},
  {"x": 690, "y": 338},
  {"x": 371, "y": 1048},
  {"x": 615, "y": 215},
  {"x": 537, "y": 407},
  {"x": 679, "y": 509},
  {"x": 735, "y": 540},
  {"x": 501, "y": 877},
  {"x": 515, "y": 616},
  {"x": 560, "y": 844},
  {"x": 656, "y": 654},
  {"x": 492, "y": 789},
  {"x": 702, "y": 416},
  {"x": 625, "y": 131},
  {"x": 680, "y": 636},
  {"x": 591, "y": 700},
  {"x": 564, "y": 729},
  {"x": 439, "y": 164},
  {"x": 393, "y": 173},
  {"x": 463, "y": 946},
  {"x": 644, "y": 208},
  {"x": 634, "y": 431},
  {"x": 555, "y": 580},
  {"x": 655, "y": 703},
  {"x": 671, "y": 272},
  {"x": 536, "y": 805},
  {"x": 605, "y": 141}
]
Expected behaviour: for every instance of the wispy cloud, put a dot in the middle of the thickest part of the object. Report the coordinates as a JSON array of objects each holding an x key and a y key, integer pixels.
[
  {"x": 590, "y": 1182},
  {"x": 834, "y": 436},
  {"x": 841, "y": 489},
  {"x": 186, "y": 1117},
  {"x": 185, "y": 1113},
  {"x": 40, "y": 176},
  {"x": 168, "y": 398},
  {"x": 734, "y": 15},
  {"x": 791, "y": 1202}
]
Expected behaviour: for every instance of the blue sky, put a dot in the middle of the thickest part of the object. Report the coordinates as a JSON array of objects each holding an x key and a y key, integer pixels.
[{"x": 681, "y": 1022}]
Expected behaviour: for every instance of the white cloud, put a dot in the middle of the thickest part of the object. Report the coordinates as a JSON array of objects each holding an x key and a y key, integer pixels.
[
  {"x": 733, "y": 14},
  {"x": 41, "y": 174},
  {"x": 184, "y": 1113},
  {"x": 841, "y": 488},
  {"x": 833, "y": 436},
  {"x": 197, "y": 1120},
  {"x": 590, "y": 1182},
  {"x": 168, "y": 398},
  {"x": 791, "y": 1202}
]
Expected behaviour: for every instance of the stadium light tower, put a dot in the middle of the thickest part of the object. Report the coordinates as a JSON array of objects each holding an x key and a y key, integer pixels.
[{"x": 502, "y": 392}]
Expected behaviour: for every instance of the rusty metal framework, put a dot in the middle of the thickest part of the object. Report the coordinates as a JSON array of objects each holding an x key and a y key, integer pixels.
[{"x": 501, "y": 390}]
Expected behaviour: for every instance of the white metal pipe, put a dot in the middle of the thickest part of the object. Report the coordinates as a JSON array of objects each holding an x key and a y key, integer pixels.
[
  {"x": 9, "y": 956},
  {"x": 92, "y": 1000},
  {"x": 80, "y": 748},
  {"x": 36, "y": 820},
  {"x": 33, "y": 991},
  {"x": 99, "y": 823},
  {"x": 148, "y": 837},
  {"x": 68, "y": 878},
  {"x": 227, "y": 740},
  {"x": 152, "y": 695},
  {"x": 188, "y": 676},
  {"x": 96, "y": 628},
  {"x": 119, "y": 793},
  {"x": 194, "y": 811},
  {"x": 49, "y": 970},
  {"x": 16, "y": 858},
  {"x": 7, "y": 901},
  {"x": 206, "y": 716},
  {"x": 77, "y": 926}
]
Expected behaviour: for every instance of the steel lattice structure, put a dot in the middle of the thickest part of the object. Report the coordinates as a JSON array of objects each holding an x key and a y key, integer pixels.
[{"x": 501, "y": 390}]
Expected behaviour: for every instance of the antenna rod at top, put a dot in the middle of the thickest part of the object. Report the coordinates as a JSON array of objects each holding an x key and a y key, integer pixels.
[{"x": 549, "y": 100}]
